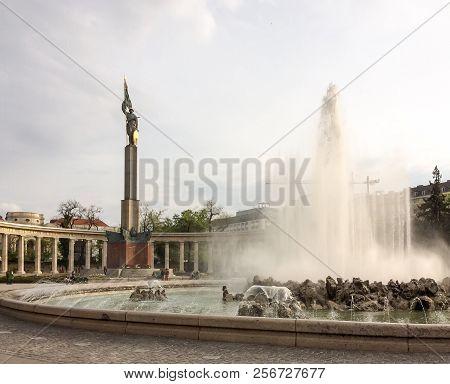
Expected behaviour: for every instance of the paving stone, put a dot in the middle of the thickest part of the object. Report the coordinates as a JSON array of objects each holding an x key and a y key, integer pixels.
[{"x": 59, "y": 345}]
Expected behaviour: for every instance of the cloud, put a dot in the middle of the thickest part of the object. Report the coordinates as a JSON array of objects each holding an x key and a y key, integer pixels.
[
  {"x": 8, "y": 207},
  {"x": 196, "y": 15},
  {"x": 232, "y": 5}
]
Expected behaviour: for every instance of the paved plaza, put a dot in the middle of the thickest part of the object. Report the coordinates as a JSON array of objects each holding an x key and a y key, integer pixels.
[{"x": 22, "y": 342}]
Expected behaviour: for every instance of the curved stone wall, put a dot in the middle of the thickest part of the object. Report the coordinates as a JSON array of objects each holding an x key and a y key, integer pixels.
[
  {"x": 326, "y": 334},
  {"x": 30, "y": 218}
]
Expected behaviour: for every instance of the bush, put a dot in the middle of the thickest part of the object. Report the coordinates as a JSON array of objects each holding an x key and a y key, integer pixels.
[{"x": 29, "y": 279}]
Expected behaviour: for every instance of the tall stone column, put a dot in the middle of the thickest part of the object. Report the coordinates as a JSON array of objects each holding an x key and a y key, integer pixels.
[
  {"x": 5, "y": 246},
  {"x": 166, "y": 255},
  {"x": 87, "y": 254},
  {"x": 20, "y": 256},
  {"x": 210, "y": 257},
  {"x": 37, "y": 255},
  {"x": 130, "y": 203},
  {"x": 55, "y": 255},
  {"x": 195, "y": 256},
  {"x": 70, "y": 267},
  {"x": 227, "y": 255},
  {"x": 181, "y": 269},
  {"x": 232, "y": 257},
  {"x": 221, "y": 263},
  {"x": 104, "y": 254}
]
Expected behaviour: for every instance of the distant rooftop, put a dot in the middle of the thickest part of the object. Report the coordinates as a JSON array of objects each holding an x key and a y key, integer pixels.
[
  {"x": 425, "y": 190},
  {"x": 81, "y": 222}
]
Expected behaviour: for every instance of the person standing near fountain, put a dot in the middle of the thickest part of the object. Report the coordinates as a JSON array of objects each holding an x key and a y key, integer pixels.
[
  {"x": 9, "y": 277},
  {"x": 225, "y": 294}
]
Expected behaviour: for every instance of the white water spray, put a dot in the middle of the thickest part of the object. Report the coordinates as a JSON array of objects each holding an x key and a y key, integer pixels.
[{"x": 344, "y": 233}]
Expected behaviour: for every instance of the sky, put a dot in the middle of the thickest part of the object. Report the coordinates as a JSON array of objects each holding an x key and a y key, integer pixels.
[{"x": 223, "y": 78}]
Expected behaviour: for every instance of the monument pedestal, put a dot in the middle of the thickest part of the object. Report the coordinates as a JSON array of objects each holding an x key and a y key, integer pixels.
[{"x": 129, "y": 250}]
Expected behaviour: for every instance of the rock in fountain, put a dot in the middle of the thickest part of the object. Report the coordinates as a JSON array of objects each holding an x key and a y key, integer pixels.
[
  {"x": 355, "y": 295},
  {"x": 148, "y": 295}
]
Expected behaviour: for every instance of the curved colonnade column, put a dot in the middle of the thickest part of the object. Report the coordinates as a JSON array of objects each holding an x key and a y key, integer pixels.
[
  {"x": 20, "y": 239},
  {"x": 221, "y": 255}
]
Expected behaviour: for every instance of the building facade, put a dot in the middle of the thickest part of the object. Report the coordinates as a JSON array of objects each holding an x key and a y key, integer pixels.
[
  {"x": 255, "y": 219},
  {"x": 30, "y": 218}
]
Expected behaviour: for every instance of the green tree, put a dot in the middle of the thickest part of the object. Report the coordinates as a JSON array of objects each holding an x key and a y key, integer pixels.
[
  {"x": 212, "y": 210},
  {"x": 190, "y": 221},
  {"x": 68, "y": 211},
  {"x": 150, "y": 220},
  {"x": 433, "y": 214},
  {"x": 92, "y": 215}
]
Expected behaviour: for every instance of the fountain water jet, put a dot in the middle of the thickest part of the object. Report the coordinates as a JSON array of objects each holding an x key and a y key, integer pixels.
[{"x": 350, "y": 233}]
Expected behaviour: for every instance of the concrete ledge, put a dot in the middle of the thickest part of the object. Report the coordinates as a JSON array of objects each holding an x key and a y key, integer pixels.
[
  {"x": 162, "y": 318},
  {"x": 48, "y": 320},
  {"x": 425, "y": 331},
  {"x": 351, "y": 328},
  {"x": 245, "y": 322},
  {"x": 247, "y": 336},
  {"x": 177, "y": 331},
  {"x": 98, "y": 314},
  {"x": 100, "y": 325},
  {"x": 429, "y": 345},
  {"x": 19, "y": 305},
  {"x": 52, "y": 310}
]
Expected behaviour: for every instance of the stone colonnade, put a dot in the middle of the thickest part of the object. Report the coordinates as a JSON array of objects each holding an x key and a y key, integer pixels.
[
  {"x": 5, "y": 242},
  {"x": 221, "y": 255},
  {"x": 222, "y": 251}
]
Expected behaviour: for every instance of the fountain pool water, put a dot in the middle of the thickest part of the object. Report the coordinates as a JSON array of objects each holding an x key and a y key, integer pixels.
[
  {"x": 201, "y": 300},
  {"x": 207, "y": 301}
]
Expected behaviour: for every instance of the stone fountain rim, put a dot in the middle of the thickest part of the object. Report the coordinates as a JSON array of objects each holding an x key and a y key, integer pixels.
[{"x": 312, "y": 333}]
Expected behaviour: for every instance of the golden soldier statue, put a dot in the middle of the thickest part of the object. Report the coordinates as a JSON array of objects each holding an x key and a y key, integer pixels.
[{"x": 132, "y": 119}]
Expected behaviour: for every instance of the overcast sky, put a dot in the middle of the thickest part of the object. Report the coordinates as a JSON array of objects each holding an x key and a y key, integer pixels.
[{"x": 223, "y": 78}]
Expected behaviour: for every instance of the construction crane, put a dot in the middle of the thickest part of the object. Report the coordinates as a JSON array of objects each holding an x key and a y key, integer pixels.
[{"x": 368, "y": 182}]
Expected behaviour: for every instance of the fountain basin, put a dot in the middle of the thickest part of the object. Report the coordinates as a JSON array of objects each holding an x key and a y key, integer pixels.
[{"x": 311, "y": 333}]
